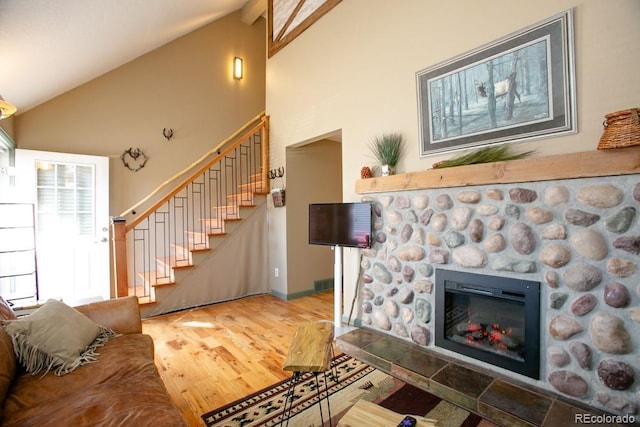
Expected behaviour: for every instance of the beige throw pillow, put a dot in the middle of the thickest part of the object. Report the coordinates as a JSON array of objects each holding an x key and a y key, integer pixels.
[{"x": 57, "y": 337}]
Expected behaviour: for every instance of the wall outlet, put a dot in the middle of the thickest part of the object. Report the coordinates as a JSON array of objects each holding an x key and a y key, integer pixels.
[{"x": 276, "y": 272}]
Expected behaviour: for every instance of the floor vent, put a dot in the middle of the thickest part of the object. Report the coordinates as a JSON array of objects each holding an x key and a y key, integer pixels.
[{"x": 323, "y": 284}]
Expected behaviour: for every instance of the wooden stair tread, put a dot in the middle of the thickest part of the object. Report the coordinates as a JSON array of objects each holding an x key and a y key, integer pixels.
[
  {"x": 168, "y": 283},
  {"x": 152, "y": 278},
  {"x": 146, "y": 301},
  {"x": 171, "y": 262},
  {"x": 222, "y": 234},
  {"x": 214, "y": 227}
]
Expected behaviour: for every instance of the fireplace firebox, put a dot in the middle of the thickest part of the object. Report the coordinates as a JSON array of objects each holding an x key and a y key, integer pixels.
[{"x": 489, "y": 318}]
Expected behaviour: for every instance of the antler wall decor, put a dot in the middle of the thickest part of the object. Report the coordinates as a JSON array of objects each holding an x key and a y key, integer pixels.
[
  {"x": 137, "y": 157},
  {"x": 168, "y": 133}
]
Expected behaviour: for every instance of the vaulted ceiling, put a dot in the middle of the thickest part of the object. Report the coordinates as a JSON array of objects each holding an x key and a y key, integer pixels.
[{"x": 49, "y": 47}]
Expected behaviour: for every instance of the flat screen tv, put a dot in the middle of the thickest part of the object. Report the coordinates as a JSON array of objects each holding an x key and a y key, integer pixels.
[{"x": 340, "y": 224}]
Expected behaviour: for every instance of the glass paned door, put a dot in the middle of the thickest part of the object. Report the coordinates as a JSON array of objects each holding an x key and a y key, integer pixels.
[
  {"x": 65, "y": 199},
  {"x": 71, "y": 199}
]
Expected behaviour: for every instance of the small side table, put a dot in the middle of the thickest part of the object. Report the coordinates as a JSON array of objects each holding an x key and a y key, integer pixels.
[{"x": 311, "y": 351}]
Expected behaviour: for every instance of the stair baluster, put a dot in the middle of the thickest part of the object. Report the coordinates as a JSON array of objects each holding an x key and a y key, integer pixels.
[{"x": 164, "y": 236}]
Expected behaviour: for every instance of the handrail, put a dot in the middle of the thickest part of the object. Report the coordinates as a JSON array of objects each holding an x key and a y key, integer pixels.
[
  {"x": 262, "y": 123},
  {"x": 260, "y": 117},
  {"x": 198, "y": 202}
]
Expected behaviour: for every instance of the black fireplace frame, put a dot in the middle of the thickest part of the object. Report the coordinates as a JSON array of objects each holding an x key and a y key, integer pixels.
[{"x": 499, "y": 287}]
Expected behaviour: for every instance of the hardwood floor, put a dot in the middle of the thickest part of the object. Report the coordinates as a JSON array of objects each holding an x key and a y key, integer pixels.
[{"x": 213, "y": 355}]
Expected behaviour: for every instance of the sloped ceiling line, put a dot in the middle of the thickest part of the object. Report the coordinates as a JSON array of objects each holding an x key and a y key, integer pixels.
[{"x": 48, "y": 48}]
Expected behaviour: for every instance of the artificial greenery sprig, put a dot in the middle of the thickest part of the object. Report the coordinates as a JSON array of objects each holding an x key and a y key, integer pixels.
[
  {"x": 498, "y": 153},
  {"x": 387, "y": 148}
]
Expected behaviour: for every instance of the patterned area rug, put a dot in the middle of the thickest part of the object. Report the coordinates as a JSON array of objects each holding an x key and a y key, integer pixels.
[{"x": 356, "y": 380}]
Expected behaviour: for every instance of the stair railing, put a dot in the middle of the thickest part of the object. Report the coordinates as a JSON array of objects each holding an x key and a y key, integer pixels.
[{"x": 150, "y": 245}]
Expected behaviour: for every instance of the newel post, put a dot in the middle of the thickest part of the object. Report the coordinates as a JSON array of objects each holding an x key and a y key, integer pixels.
[{"x": 119, "y": 236}]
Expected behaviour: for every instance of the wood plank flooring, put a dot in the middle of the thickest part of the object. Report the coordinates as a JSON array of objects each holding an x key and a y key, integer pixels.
[{"x": 213, "y": 355}]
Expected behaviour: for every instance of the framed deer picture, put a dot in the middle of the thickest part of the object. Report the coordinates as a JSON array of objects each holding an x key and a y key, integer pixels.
[{"x": 519, "y": 87}]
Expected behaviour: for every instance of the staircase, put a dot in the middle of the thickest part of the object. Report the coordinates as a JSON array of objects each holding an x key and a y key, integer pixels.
[{"x": 157, "y": 250}]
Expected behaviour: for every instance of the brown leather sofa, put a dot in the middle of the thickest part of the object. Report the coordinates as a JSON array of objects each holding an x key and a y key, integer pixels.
[{"x": 122, "y": 388}]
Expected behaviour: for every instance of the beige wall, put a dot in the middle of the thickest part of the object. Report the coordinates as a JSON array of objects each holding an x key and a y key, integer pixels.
[
  {"x": 318, "y": 171},
  {"x": 354, "y": 70},
  {"x": 185, "y": 85},
  {"x": 7, "y": 126}
]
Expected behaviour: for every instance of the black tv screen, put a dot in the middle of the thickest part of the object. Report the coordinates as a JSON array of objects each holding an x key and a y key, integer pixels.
[{"x": 340, "y": 224}]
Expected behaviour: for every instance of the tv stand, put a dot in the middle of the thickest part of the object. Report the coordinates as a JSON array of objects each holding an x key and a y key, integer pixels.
[{"x": 337, "y": 288}]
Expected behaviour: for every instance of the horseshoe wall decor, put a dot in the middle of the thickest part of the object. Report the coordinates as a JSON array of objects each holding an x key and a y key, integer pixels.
[{"x": 134, "y": 160}]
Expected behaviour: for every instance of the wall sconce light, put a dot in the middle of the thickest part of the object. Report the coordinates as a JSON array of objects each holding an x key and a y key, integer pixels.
[{"x": 237, "y": 68}]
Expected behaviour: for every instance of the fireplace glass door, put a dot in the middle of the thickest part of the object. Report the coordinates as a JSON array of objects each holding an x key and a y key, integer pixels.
[
  {"x": 489, "y": 323},
  {"x": 489, "y": 318}
]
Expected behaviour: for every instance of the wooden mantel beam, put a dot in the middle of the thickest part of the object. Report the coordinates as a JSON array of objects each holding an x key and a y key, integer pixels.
[{"x": 619, "y": 161}]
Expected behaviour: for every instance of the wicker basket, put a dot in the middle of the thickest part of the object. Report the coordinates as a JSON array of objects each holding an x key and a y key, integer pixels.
[{"x": 621, "y": 129}]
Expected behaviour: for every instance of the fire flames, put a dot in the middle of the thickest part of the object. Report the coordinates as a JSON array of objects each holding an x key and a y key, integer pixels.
[{"x": 494, "y": 335}]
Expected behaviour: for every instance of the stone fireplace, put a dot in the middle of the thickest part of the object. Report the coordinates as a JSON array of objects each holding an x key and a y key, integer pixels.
[
  {"x": 490, "y": 318},
  {"x": 566, "y": 222}
]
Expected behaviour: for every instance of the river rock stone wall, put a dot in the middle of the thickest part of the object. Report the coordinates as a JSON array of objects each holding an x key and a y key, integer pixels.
[{"x": 580, "y": 238}]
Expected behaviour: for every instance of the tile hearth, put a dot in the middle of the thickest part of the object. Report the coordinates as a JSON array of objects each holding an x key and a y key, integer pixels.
[{"x": 500, "y": 399}]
